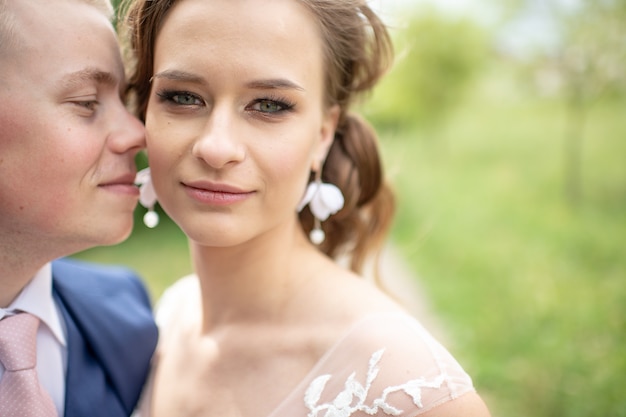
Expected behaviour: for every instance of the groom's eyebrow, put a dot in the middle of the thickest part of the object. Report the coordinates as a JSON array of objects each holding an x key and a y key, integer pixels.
[{"x": 87, "y": 75}]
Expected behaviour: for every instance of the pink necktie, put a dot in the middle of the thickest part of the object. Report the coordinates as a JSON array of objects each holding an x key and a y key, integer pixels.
[{"x": 20, "y": 392}]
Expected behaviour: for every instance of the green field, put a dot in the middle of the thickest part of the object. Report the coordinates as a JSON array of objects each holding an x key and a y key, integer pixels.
[{"x": 531, "y": 287}]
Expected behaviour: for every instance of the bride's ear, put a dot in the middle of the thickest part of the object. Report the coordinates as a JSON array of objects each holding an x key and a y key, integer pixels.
[{"x": 327, "y": 131}]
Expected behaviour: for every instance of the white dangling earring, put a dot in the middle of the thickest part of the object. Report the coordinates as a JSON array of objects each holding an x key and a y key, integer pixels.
[
  {"x": 323, "y": 199},
  {"x": 147, "y": 197}
]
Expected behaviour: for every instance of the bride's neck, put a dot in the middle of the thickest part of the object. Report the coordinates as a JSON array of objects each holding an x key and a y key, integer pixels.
[{"x": 248, "y": 283}]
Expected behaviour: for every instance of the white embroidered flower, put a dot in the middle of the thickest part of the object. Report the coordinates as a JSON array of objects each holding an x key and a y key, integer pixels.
[
  {"x": 344, "y": 399},
  {"x": 344, "y": 404},
  {"x": 324, "y": 199},
  {"x": 313, "y": 393}
]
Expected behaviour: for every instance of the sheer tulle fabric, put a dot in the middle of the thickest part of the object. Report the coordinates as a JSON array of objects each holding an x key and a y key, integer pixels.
[{"x": 386, "y": 364}]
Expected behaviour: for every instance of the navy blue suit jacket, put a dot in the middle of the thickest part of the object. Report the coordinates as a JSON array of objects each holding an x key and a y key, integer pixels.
[{"x": 111, "y": 337}]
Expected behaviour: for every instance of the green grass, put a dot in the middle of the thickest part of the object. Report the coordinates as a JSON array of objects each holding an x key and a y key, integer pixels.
[
  {"x": 160, "y": 255},
  {"x": 531, "y": 288}
]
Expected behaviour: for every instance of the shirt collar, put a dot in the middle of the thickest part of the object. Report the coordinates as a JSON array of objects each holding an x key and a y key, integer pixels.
[{"x": 36, "y": 299}]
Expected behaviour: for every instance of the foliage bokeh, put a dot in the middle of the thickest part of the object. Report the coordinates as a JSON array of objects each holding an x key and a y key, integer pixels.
[{"x": 436, "y": 60}]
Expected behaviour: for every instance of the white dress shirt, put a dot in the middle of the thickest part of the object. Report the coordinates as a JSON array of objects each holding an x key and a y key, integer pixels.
[{"x": 36, "y": 299}]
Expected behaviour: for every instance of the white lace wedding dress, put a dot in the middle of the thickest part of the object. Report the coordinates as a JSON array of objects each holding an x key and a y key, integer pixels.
[{"x": 386, "y": 364}]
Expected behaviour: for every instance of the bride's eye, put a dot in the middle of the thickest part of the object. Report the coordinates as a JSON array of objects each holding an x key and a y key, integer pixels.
[
  {"x": 181, "y": 98},
  {"x": 270, "y": 106}
]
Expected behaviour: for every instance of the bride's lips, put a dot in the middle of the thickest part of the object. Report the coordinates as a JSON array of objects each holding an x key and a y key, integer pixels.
[
  {"x": 122, "y": 184},
  {"x": 216, "y": 194}
]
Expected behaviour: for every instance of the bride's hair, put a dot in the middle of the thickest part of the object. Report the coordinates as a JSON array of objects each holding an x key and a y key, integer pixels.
[{"x": 358, "y": 51}]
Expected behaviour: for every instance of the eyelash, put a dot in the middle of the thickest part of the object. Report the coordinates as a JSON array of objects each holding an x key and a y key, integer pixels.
[
  {"x": 169, "y": 95},
  {"x": 87, "y": 108},
  {"x": 284, "y": 105},
  {"x": 88, "y": 104}
]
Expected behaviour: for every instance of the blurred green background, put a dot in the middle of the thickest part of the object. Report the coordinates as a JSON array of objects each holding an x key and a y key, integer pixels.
[{"x": 503, "y": 128}]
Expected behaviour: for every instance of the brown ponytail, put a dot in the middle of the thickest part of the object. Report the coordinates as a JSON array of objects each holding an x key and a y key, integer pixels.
[
  {"x": 358, "y": 51},
  {"x": 353, "y": 164}
]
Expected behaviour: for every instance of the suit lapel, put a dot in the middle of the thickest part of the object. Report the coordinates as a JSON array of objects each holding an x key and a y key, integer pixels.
[
  {"x": 86, "y": 390},
  {"x": 111, "y": 337}
]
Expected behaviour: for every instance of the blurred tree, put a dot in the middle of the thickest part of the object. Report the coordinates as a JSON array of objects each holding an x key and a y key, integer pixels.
[
  {"x": 592, "y": 63},
  {"x": 589, "y": 61},
  {"x": 436, "y": 58}
]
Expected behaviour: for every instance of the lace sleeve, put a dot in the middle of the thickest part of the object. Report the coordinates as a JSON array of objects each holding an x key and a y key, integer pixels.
[{"x": 387, "y": 365}]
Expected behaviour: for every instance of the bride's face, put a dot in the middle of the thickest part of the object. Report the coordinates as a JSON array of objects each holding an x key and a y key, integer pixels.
[{"x": 236, "y": 118}]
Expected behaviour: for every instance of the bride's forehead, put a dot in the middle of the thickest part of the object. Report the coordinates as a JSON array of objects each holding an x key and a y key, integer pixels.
[
  {"x": 289, "y": 17},
  {"x": 243, "y": 30}
]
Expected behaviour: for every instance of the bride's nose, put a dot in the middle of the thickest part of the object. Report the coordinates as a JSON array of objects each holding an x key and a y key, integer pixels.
[{"x": 219, "y": 144}]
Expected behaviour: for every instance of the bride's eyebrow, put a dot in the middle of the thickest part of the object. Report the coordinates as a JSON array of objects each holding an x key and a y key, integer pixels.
[
  {"x": 177, "y": 75},
  {"x": 263, "y": 84},
  {"x": 274, "y": 84}
]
